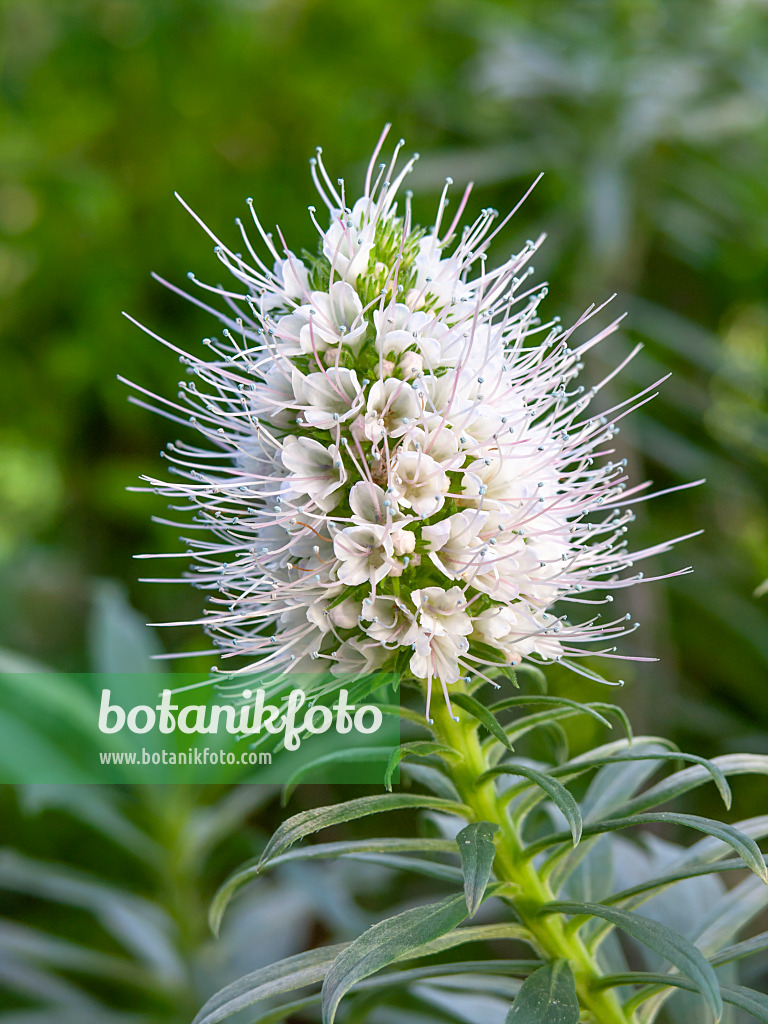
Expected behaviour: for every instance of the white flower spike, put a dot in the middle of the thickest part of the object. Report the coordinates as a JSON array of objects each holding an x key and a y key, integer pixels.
[{"x": 396, "y": 468}]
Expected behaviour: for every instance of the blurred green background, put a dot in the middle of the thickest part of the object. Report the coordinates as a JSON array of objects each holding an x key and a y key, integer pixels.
[{"x": 649, "y": 119}]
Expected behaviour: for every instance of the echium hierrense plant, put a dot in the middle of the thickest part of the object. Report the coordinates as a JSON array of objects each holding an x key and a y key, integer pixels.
[{"x": 397, "y": 471}]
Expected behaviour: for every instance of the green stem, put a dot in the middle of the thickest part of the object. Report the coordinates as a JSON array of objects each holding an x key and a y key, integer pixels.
[{"x": 532, "y": 892}]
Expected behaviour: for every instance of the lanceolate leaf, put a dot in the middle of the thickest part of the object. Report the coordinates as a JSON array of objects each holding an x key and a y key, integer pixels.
[
  {"x": 283, "y": 976},
  {"x": 548, "y": 996},
  {"x": 666, "y": 790},
  {"x": 745, "y": 998},
  {"x": 757, "y": 944},
  {"x": 399, "y": 979},
  {"x": 477, "y": 852},
  {"x": 419, "y": 748},
  {"x": 539, "y": 719},
  {"x": 477, "y": 933},
  {"x": 646, "y": 889},
  {"x": 728, "y": 916},
  {"x": 711, "y": 849},
  {"x": 658, "y": 937},
  {"x": 683, "y": 781},
  {"x": 307, "y": 822},
  {"x": 481, "y": 713},
  {"x": 386, "y": 942},
  {"x": 526, "y": 699},
  {"x": 320, "y": 851},
  {"x": 555, "y": 790},
  {"x": 746, "y": 847}
]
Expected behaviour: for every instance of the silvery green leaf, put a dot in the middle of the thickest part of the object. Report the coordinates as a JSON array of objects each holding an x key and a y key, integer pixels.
[
  {"x": 430, "y": 778},
  {"x": 548, "y": 996},
  {"x": 482, "y": 715},
  {"x": 675, "y": 948},
  {"x": 307, "y": 822},
  {"x": 590, "y": 709},
  {"x": 283, "y": 976},
  {"x": 726, "y": 918},
  {"x": 418, "y": 748},
  {"x": 386, "y": 942},
  {"x": 746, "y": 847},
  {"x": 467, "y": 1006},
  {"x": 615, "y": 783},
  {"x": 44, "y": 948},
  {"x": 592, "y": 879},
  {"x": 707, "y": 771},
  {"x": 687, "y": 779},
  {"x": 477, "y": 850},
  {"x": 756, "y": 944},
  {"x": 745, "y": 998},
  {"x": 555, "y": 790}
]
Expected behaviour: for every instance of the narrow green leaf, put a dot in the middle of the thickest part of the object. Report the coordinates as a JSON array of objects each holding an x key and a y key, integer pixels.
[
  {"x": 351, "y": 755},
  {"x": 674, "y": 947},
  {"x": 548, "y": 996},
  {"x": 726, "y": 918},
  {"x": 307, "y": 822},
  {"x": 666, "y": 790},
  {"x": 278, "y": 1014},
  {"x": 481, "y": 714},
  {"x": 283, "y": 976},
  {"x": 555, "y": 790},
  {"x": 663, "y": 791},
  {"x": 560, "y": 702},
  {"x": 477, "y": 851},
  {"x": 418, "y": 748},
  {"x": 711, "y": 849},
  {"x": 757, "y": 944},
  {"x": 477, "y": 933},
  {"x": 683, "y": 781},
  {"x": 745, "y": 998},
  {"x": 649, "y": 886},
  {"x": 320, "y": 851},
  {"x": 746, "y": 847},
  {"x": 400, "y": 979},
  {"x": 386, "y": 942},
  {"x": 614, "y": 784}
]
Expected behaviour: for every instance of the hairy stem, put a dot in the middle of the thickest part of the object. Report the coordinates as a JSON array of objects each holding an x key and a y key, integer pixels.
[{"x": 551, "y": 936}]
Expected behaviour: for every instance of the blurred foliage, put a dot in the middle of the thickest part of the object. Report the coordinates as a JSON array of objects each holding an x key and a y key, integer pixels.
[{"x": 650, "y": 121}]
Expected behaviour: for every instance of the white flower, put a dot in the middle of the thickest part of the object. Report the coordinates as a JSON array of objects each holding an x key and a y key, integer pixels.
[
  {"x": 442, "y": 612},
  {"x": 419, "y": 482},
  {"x": 328, "y": 397},
  {"x": 396, "y": 466},
  {"x": 316, "y": 471},
  {"x": 364, "y": 552},
  {"x": 393, "y": 407}
]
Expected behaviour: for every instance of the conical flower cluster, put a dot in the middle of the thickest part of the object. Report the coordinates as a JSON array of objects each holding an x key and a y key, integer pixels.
[{"x": 395, "y": 467}]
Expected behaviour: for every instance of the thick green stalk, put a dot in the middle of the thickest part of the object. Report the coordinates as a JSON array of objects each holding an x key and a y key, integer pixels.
[{"x": 532, "y": 892}]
